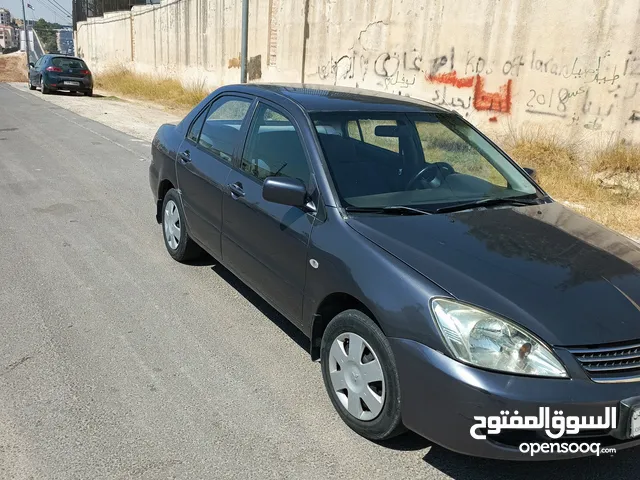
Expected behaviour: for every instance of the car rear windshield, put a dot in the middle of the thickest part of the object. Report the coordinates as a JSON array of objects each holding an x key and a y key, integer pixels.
[
  {"x": 68, "y": 63},
  {"x": 431, "y": 160}
]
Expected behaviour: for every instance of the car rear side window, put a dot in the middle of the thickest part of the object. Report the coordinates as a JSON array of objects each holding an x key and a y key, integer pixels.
[
  {"x": 221, "y": 129},
  {"x": 363, "y": 129},
  {"x": 196, "y": 127},
  {"x": 274, "y": 148},
  {"x": 68, "y": 63}
]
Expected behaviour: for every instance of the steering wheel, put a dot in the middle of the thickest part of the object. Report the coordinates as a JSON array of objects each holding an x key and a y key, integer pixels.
[{"x": 430, "y": 172}]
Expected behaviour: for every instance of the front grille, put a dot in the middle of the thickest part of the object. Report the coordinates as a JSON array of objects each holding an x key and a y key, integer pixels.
[{"x": 610, "y": 364}]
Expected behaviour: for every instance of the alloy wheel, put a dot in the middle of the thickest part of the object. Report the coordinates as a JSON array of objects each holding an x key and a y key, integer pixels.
[
  {"x": 172, "y": 224},
  {"x": 356, "y": 376}
]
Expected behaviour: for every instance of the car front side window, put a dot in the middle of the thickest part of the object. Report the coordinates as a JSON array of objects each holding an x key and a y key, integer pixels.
[
  {"x": 442, "y": 144},
  {"x": 274, "y": 148},
  {"x": 221, "y": 130},
  {"x": 430, "y": 160}
]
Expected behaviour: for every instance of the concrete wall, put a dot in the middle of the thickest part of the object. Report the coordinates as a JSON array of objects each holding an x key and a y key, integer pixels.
[
  {"x": 105, "y": 42},
  {"x": 572, "y": 67}
]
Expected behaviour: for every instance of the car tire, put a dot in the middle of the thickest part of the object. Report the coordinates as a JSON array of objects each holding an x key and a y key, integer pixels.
[
  {"x": 174, "y": 229},
  {"x": 31, "y": 87},
  {"x": 376, "y": 417},
  {"x": 89, "y": 93},
  {"x": 43, "y": 88}
]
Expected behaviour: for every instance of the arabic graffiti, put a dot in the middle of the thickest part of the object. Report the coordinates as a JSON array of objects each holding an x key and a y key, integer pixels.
[
  {"x": 451, "y": 78},
  {"x": 577, "y": 90},
  {"x": 596, "y": 86},
  {"x": 483, "y": 100},
  {"x": 392, "y": 69},
  {"x": 499, "y": 101}
]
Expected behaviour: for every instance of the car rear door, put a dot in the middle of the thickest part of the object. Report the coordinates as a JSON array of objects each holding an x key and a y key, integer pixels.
[
  {"x": 204, "y": 162},
  {"x": 263, "y": 242}
]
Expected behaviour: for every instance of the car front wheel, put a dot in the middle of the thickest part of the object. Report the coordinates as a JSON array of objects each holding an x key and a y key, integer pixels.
[
  {"x": 360, "y": 376},
  {"x": 179, "y": 245}
]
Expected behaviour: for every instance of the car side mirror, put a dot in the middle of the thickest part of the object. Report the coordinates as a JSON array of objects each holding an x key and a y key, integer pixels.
[
  {"x": 532, "y": 173},
  {"x": 32, "y": 65},
  {"x": 287, "y": 191}
]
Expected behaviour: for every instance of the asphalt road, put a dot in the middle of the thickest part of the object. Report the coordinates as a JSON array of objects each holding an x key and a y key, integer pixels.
[{"x": 117, "y": 362}]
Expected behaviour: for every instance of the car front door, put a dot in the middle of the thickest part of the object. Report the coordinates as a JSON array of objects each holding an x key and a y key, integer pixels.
[
  {"x": 263, "y": 242},
  {"x": 34, "y": 73},
  {"x": 203, "y": 165}
]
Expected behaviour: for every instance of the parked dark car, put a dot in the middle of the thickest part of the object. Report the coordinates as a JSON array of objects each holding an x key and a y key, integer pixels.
[
  {"x": 58, "y": 72},
  {"x": 435, "y": 279}
]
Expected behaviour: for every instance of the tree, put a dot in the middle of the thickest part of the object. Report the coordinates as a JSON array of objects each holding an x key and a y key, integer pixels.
[{"x": 47, "y": 34}]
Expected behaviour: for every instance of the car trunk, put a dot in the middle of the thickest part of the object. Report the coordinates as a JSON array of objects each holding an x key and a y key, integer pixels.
[{"x": 70, "y": 69}]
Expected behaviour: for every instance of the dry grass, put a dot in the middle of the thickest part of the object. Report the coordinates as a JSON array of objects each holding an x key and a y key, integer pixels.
[
  {"x": 13, "y": 67},
  {"x": 567, "y": 176},
  {"x": 164, "y": 91},
  {"x": 618, "y": 158}
]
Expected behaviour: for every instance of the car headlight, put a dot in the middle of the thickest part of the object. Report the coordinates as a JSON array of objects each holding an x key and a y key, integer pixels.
[{"x": 483, "y": 339}]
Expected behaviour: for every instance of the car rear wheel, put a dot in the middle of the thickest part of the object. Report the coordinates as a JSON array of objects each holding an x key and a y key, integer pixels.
[
  {"x": 43, "y": 87},
  {"x": 179, "y": 245},
  {"x": 360, "y": 376},
  {"x": 89, "y": 93}
]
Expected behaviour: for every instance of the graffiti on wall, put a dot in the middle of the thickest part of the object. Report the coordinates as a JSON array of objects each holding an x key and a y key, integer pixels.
[
  {"x": 483, "y": 100},
  {"x": 593, "y": 88}
]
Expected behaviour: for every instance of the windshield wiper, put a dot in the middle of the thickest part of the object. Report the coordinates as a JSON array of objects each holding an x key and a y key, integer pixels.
[
  {"x": 390, "y": 210},
  {"x": 487, "y": 202}
]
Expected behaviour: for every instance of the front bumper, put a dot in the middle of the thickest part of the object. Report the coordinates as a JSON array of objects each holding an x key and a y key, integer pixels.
[{"x": 440, "y": 397}]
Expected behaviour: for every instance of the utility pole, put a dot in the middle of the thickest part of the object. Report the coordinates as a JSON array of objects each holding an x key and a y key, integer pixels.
[
  {"x": 26, "y": 34},
  {"x": 245, "y": 35}
]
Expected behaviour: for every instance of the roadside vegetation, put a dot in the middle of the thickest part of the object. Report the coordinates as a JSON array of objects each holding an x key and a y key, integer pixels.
[
  {"x": 47, "y": 34},
  {"x": 603, "y": 184},
  {"x": 164, "y": 91}
]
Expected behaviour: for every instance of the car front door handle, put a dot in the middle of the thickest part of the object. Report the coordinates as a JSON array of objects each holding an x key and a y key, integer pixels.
[
  {"x": 184, "y": 157},
  {"x": 236, "y": 190}
]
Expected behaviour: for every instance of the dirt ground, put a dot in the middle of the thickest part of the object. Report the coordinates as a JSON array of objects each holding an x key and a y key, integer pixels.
[
  {"x": 13, "y": 67},
  {"x": 136, "y": 118}
]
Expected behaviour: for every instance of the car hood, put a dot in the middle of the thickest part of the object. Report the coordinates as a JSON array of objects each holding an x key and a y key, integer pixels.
[{"x": 567, "y": 279}]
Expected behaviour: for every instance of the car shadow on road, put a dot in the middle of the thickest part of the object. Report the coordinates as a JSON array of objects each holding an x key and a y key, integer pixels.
[
  {"x": 271, "y": 313},
  {"x": 625, "y": 465},
  {"x": 407, "y": 442},
  {"x": 59, "y": 93}
]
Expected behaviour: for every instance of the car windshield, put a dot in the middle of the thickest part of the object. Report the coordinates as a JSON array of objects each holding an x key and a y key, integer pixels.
[
  {"x": 421, "y": 160},
  {"x": 68, "y": 63}
]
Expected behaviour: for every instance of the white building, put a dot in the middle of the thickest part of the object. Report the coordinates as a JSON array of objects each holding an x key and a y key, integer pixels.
[
  {"x": 7, "y": 37},
  {"x": 5, "y": 16}
]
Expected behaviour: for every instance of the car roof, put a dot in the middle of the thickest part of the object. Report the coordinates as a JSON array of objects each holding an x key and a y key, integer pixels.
[{"x": 325, "y": 98}]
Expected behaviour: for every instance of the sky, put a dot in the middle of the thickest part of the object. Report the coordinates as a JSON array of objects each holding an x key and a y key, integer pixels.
[{"x": 46, "y": 9}]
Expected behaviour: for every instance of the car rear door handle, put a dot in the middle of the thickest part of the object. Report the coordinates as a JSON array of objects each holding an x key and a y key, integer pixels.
[
  {"x": 236, "y": 190},
  {"x": 184, "y": 157}
]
